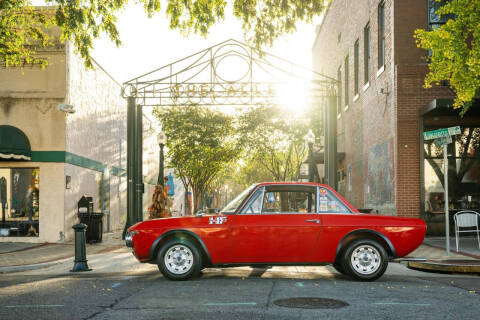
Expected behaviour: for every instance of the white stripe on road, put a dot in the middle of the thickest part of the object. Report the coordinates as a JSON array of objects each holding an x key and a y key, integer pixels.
[
  {"x": 36, "y": 306},
  {"x": 230, "y": 304},
  {"x": 401, "y": 303}
]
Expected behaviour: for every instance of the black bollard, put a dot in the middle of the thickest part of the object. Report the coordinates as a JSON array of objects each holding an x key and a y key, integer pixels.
[{"x": 80, "y": 250}]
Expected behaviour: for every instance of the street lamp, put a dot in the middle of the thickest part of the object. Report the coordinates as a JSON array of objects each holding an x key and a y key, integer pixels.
[
  {"x": 310, "y": 140},
  {"x": 162, "y": 140}
]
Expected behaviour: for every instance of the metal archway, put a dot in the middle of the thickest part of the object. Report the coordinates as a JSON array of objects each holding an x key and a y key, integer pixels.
[{"x": 201, "y": 79}]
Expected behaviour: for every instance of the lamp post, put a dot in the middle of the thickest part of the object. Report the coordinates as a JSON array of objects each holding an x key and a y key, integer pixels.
[
  {"x": 226, "y": 194},
  {"x": 162, "y": 140},
  {"x": 310, "y": 140}
]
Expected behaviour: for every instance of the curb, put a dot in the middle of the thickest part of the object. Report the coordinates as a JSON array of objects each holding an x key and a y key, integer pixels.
[
  {"x": 29, "y": 267},
  {"x": 454, "y": 251},
  {"x": 445, "y": 266},
  {"x": 36, "y": 266}
]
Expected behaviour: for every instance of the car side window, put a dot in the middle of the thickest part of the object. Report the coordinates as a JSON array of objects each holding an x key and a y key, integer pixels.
[
  {"x": 329, "y": 203},
  {"x": 254, "y": 204},
  {"x": 287, "y": 201}
]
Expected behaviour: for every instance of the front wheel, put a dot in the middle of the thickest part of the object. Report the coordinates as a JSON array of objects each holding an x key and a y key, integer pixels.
[
  {"x": 179, "y": 260},
  {"x": 365, "y": 260}
]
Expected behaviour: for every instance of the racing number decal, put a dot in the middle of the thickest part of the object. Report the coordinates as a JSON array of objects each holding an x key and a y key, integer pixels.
[{"x": 217, "y": 220}]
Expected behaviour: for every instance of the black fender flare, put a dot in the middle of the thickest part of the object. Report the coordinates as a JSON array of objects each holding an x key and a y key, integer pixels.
[
  {"x": 179, "y": 231},
  {"x": 374, "y": 232}
]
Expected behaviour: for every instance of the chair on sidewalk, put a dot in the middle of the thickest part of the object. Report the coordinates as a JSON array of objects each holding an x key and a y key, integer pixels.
[{"x": 466, "y": 219}]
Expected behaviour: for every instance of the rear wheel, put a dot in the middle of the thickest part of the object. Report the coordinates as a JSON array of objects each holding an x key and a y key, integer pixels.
[
  {"x": 179, "y": 260},
  {"x": 365, "y": 260}
]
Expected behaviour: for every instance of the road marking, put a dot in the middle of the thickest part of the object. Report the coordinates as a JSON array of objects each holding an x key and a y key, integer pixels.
[
  {"x": 400, "y": 303},
  {"x": 36, "y": 306},
  {"x": 230, "y": 304},
  {"x": 115, "y": 285}
]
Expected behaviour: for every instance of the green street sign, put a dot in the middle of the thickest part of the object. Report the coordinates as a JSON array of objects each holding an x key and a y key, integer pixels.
[
  {"x": 439, "y": 133},
  {"x": 442, "y": 141}
]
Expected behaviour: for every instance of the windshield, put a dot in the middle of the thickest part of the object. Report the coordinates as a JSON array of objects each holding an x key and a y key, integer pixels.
[{"x": 235, "y": 203}]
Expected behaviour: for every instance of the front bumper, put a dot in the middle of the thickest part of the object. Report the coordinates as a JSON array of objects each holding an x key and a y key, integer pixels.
[{"x": 129, "y": 240}]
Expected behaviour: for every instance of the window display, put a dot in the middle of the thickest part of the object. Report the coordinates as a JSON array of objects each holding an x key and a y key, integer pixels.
[{"x": 19, "y": 201}]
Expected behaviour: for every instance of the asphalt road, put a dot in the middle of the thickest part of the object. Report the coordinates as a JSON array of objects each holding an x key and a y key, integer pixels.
[{"x": 121, "y": 288}]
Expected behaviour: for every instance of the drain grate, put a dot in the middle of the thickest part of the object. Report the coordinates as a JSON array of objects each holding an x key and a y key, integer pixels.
[{"x": 310, "y": 303}]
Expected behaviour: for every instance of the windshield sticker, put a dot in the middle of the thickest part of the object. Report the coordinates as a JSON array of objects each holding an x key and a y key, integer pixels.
[
  {"x": 323, "y": 191},
  {"x": 323, "y": 205},
  {"x": 332, "y": 205},
  {"x": 217, "y": 220}
]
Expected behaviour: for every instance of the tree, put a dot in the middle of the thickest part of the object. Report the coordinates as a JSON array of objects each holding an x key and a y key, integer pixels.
[
  {"x": 455, "y": 50},
  {"x": 250, "y": 171},
  {"x": 201, "y": 143},
  {"x": 83, "y": 21},
  {"x": 21, "y": 28},
  {"x": 275, "y": 140}
]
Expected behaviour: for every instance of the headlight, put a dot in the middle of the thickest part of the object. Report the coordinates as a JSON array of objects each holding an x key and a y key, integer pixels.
[{"x": 128, "y": 240}]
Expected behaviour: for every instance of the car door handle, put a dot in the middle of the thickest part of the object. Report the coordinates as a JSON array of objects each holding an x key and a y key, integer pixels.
[{"x": 313, "y": 220}]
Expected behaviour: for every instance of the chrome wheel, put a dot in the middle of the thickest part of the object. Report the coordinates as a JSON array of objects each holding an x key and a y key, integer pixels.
[
  {"x": 365, "y": 259},
  {"x": 178, "y": 259}
]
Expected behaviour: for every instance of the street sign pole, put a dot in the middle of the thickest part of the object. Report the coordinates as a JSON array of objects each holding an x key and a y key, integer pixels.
[
  {"x": 444, "y": 137},
  {"x": 447, "y": 220}
]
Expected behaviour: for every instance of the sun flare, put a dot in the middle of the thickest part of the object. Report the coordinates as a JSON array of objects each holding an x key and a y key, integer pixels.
[{"x": 293, "y": 95}]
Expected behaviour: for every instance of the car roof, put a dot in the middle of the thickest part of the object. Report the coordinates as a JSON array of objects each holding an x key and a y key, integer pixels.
[
  {"x": 312, "y": 184},
  {"x": 291, "y": 183}
]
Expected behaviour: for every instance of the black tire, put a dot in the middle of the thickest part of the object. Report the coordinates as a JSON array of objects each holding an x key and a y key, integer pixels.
[
  {"x": 373, "y": 256},
  {"x": 338, "y": 267},
  {"x": 190, "y": 260}
]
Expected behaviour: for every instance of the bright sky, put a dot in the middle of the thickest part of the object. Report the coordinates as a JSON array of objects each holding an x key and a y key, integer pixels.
[{"x": 149, "y": 44}]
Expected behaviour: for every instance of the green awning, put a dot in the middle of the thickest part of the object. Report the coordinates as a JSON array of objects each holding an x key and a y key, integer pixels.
[{"x": 14, "y": 144}]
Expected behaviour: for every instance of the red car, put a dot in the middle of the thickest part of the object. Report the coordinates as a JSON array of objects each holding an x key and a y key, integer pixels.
[{"x": 278, "y": 224}]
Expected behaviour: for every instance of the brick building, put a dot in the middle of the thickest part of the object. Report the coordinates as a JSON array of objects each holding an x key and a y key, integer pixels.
[{"x": 383, "y": 110}]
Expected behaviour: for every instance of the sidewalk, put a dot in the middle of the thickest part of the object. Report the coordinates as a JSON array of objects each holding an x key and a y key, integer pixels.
[
  {"x": 465, "y": 260},
  {"x": 15, "y": 256}
]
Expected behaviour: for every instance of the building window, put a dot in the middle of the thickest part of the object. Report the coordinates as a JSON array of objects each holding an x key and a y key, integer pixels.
[
  {"x": 366, "y": 53},
  {"x": 434, "y": 20},
  {"x": 19, "y": 199},
  {"x": 339, "y": 78},
  {"x": 381, "y": 35},
  {"x": 355, "y": 66},
  {"x": 346, "y": 81}
]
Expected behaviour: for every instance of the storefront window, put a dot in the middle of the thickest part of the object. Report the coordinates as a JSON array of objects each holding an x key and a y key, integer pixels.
[
  {"x": 19, "y": 201},
  {"x": 463, "y": 174}
]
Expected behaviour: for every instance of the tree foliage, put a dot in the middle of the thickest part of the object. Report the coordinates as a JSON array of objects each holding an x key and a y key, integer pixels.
[
  {"x": 83, "y": 21},
  {"x": 21, "y": 29},
  {"x": 455, "y": 50},
  {"x": 275, "y": 141},
  {"x": 251, "y": 171},
  {"x": 201, "y": 143}
]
